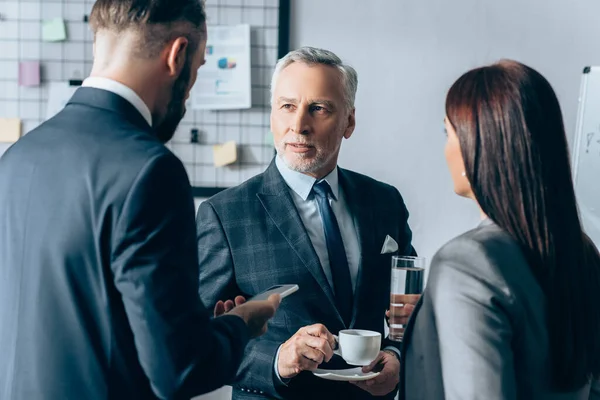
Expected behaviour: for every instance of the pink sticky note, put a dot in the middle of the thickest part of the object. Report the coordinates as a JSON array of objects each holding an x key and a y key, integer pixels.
[{"x": 29, "y": 73}]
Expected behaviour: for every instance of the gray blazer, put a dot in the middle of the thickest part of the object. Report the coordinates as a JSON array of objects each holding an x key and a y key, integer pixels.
[
  {"x": 251, "y": 237},
  {"x": 479, "y": 331},
  {"x": 98, "y": 265}
]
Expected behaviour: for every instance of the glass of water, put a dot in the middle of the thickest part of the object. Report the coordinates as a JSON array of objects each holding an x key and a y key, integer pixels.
[{"x": 406, "y": 288}]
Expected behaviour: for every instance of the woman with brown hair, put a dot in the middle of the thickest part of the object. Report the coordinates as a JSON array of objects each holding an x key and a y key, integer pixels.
[{"x": 512, "y": 307}]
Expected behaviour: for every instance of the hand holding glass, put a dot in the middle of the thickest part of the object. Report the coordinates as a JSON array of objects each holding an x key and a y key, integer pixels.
[{"x": 405, "y": 291}]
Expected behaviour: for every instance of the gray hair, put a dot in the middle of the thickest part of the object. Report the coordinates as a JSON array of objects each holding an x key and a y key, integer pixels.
[{"x": 314, "y": 56}]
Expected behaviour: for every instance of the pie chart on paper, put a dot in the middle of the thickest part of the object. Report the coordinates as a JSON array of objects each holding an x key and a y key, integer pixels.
[{"x": 227, "y": 63}]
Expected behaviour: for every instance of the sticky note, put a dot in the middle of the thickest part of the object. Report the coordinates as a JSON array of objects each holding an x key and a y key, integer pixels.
[
  {"x": 10, "y": 130},
  {"x": 225, "y": 154},
  {"x": 29, "y": 73},
  {"x": 53, "y": 30}
]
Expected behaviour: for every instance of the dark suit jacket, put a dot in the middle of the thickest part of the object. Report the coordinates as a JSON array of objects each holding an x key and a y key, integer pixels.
[
  {"x": 98, "y": 265},
  {"x": 479, "y": 331},
  {"x": 251, "y": 237}
]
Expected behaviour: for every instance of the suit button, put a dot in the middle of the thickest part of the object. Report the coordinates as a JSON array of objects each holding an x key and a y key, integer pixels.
[
  {"x": 261, "y": 392},
  {"x": 243, "y": 390}
]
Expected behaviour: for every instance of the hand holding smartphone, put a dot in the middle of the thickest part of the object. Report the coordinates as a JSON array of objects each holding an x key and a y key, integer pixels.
[{"x": 283, "y": 290}]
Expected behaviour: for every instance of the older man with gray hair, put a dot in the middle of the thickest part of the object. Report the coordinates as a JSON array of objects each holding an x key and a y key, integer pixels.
[{"x": 308, "y": 222}]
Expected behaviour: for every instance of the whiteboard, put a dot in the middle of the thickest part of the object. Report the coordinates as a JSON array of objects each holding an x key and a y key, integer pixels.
[{"x": 586, "y": 153}]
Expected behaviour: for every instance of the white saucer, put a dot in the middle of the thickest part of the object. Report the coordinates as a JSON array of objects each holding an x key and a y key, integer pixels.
[{"x": 346, "y": 375}]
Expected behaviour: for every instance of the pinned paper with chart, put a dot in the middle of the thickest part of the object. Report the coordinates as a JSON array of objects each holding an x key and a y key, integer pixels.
[
  {"x": 59, "y": 94},
  {"x": 586, "y": 153},
  {"x": 224, "y": 82}
]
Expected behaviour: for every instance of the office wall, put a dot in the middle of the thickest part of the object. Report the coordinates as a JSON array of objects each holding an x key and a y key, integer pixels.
[{"x": 408, "y": 53}]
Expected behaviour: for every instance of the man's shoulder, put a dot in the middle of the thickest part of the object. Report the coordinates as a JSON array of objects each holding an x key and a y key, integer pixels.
[
  {"x": 367, "y": 183},
  {"x": 243, "y": 192},
  {"x": 114, "y": 149}
]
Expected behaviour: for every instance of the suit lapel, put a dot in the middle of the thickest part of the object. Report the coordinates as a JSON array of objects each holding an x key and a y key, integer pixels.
[
  {"x": 362, "y": 215},
  {"x": 280, "y": 207}
]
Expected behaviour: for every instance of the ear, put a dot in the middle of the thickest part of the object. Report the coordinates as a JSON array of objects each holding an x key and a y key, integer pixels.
[
  {"x": 176, "y": 54},
  {"x": 351, "y": 124}
]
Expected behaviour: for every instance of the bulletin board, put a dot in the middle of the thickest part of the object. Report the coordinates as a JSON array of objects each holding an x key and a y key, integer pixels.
[
  {"x": 21, "y": 41},
  {"x": 586, "y": 153}
]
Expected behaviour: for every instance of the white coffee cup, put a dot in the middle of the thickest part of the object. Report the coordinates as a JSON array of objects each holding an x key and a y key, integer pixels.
[{"x": 357, "y": 346}]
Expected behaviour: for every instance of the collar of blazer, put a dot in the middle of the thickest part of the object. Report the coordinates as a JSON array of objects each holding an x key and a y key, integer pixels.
[
  {"x": 279, "y": 205},
  {"x": 103, "y": 99}
]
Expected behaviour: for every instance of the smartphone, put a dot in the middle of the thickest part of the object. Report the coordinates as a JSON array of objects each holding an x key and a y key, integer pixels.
[{"x": 283, "y": 290}]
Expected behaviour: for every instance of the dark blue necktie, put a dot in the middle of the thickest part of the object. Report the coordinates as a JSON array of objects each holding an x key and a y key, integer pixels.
[{"x": 342, "y": 284}]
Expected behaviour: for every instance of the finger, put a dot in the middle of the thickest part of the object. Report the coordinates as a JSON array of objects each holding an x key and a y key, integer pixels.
[
  {"x": 399, "y": 321},
  {"x": 405, "y": 298},
  {"x": 275, "y": 299},
  {"x": 403, "y": 310},
  {"x": 387, "y": 313},
  {"x": 320, "y": 330},
  {"x": 265, "y": 309},
  {"x": 312, "y": 354},
  {"x": 400, "y": 314},
  {"x": 306, "y": 364},
  {"x": 264, "y": 329},
  {"x": 383, "y": 376},
  {"x": 228, "y": 305},
  {"x": 321, "y": 345},
  {"x": 219, "y": 309},
  {"x": 374, "y": 363},
  {"x": 239, "y": 300},
  {"x": 369, "y": 383}
]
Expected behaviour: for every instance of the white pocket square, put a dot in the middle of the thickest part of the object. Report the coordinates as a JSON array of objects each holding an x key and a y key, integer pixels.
[{"x": 389, "y": 245}]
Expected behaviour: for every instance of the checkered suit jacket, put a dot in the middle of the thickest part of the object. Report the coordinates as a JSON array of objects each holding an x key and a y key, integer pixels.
[{"x": 251, "y": 237}]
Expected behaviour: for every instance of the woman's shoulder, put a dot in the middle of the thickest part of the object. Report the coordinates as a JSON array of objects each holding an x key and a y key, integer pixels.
[
  {"x": 486, "y": 254},
  {"x": 488, "y": 241}
]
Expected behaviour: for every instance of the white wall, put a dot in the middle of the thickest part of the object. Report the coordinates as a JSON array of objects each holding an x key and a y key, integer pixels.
[{"x": 407, "y": 54}]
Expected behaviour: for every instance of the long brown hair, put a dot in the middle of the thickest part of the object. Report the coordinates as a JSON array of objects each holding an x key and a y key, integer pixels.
[{"x": 512, "y": 138}]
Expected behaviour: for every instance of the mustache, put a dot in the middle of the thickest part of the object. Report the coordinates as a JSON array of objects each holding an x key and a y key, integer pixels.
[{"x": 296, "y": 142}]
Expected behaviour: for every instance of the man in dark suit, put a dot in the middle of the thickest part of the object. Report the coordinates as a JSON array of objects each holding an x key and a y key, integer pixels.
[
  {"x": 98, "y": 265},
  {"x": 305, "y": 221}
]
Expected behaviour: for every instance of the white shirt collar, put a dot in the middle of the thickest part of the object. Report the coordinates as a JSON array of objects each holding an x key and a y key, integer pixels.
[
  {"x": 120, "y": 90},
  {"x": 302, "y": 184}
]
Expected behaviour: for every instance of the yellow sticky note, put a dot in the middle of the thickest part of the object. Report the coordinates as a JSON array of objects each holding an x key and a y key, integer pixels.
[
  {"x": 53, "y": 30},
  {"x": 10, "y": 130},
  {"x": 225, "y": 154}
]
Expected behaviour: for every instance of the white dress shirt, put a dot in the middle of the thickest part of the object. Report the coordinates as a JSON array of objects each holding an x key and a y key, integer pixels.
[
  {"x": 120, "y": 90},
  {"x": 300, "y": 186}
]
